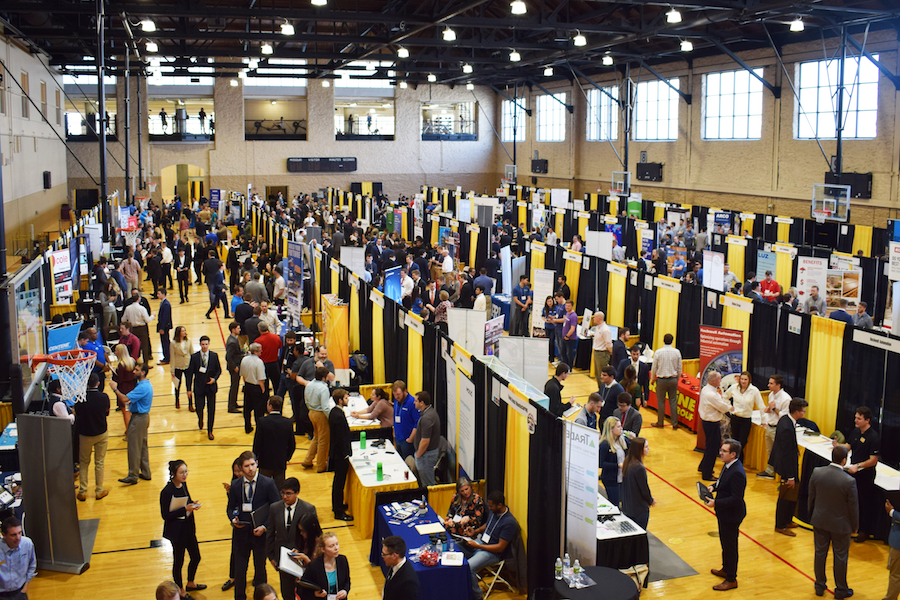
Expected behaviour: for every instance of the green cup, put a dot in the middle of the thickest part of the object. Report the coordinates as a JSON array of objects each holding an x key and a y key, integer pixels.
[{"x": 379, "y": 473}]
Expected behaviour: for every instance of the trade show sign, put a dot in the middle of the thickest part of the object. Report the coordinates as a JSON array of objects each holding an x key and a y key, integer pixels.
[
  {"x": 721, "y": 350},
  {"x": 582, "y": 455}
]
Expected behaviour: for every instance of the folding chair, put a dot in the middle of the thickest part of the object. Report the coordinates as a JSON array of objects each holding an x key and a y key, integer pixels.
[{"x": 493, "y": 573}]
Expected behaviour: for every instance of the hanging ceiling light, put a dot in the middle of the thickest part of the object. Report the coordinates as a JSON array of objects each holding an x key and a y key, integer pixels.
[
  {"x": 607, "y": 60},
  {"x": 287, "y": 29},
  {"x": 242, "y": 74},
  {"x": 686, "y": 45},
  {"x": 514, "y": 56},
  {"x": 673, "y": 16},
  {"x": 518, "y": 7},
  {"x": 467, "y": 68},
  {"x": 326, "y": 83},
  {"x": 234, "y": 83},
  {"x": 319, "y": 2},
  {"x": 403, "y": 85},
  {"x": 449, "y": 35},
  {"x": 151, "y": 47},
  {"x": 266, "y": 48},
  {"x": 797, "y": 24},
  {"x": 432, "y": 78},
  {"x": 579, "y": 40},
  {"x": 148, "y": 26},
  {"x": 155, "y": 63},
  {"x": 402, "y": 52},
  {"x": 548, "y": 71},
  {"x": 470, "y": 86},
  {"x": 253, "y": 64}
]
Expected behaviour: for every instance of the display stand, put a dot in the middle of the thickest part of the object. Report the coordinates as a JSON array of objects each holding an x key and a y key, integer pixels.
[{"x": 62, "y": 543}]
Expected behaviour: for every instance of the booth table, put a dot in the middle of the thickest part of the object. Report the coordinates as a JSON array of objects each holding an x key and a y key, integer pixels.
[
  {"x": 756, "y": 456},
  {"x": 688, "y": 399},
  {"x": 621, "y": 543},
  {"x": 611, "y": 585},
  {"x": 436, "y": 583},
  {"x": 356, "y": 403},
  {"x": 362, "y": 482},
  {"x": 500, "y": 304}
]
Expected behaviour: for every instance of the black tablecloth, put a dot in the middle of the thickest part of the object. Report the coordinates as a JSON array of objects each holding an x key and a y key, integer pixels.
[
  {"x": 624, "y": 552},
  {"x": 611, "y": 585},
  {"x": 583, "y": 353}
]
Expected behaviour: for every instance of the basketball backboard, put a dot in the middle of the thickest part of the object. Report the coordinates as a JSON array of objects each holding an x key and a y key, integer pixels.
[{"x": 830, "y": 202}]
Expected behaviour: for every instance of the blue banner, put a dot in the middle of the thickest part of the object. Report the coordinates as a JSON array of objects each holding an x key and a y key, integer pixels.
[
  {"x": 215, "y": 196},
  {"x": 64, "y": 337},
  {"x": 293, "y": 279},
  {"x": 392, "y": 284},
  {"x": 765, "y": 261},
  {"x": 616, "y": 230}
]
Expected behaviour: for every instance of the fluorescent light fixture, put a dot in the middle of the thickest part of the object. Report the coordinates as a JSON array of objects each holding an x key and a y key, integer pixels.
[
  {"x": 326, "y": 83},
  {"x": 797, "y": 24},
  {"x": 518, "y": 7},
  {"x": 449, "y": 35},
  {"x": 385, "y": 106},
  {"x": 579, "y": 40},
  {"x": 548, "y": 71},
  {"x": 151, "y": 47},
  {"x": 470, "y": 86},
  {"x": 402, "y": 52},
  {"x": 266, "y": 48},
  {"x": 234, "y": 83},
  {"x": 686, "y": 45},
  {"x": 210, "y": 60},
  {"x": 242, "y": 74},
  {"x": 432, "y": 78},
  {"x": 287, "y": 29},
  {"x": 371, "y": 110},
  {"x": 607, "y": 60},
  {"x": 433, "y": 106},
  {"x": 245, "y": 60},
  {"x": 403, "y": 85},
  {"x": 673, "y": 16},
  {"x": 253, "y": 64},
  {"x": 352, "y": 104},
  {"x": 467, "y": 68},
  {"x": 319, "y": 2},
  {"x": 148, "y": 26},
  {"x": 87, "y": 58},
  {"x": 274, "y": 102},
  {"x": 514, "y": 56},
  {"x": 155, "y": 62},
  {"x": 370, "y": 66}
]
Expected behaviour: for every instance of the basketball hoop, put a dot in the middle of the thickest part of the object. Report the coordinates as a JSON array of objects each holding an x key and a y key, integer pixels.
[
  {"x": 821, "y": 215},
  {"x": 73, "y": 367},
  {"x": 131, "y": 235}
]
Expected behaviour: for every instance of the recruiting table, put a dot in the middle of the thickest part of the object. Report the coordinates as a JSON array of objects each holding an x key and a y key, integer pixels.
[
  {"x": 357, "y": 403},
  {"x": 362, "y": 482},
  {"x": 611, "y": 585},
  {"x": 440, "y": 582},
  {"x": 621, "y": 543},
  {"x": 688, "y": 399}
]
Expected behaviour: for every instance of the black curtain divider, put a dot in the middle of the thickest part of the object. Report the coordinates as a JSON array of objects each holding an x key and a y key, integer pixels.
[
  {"x": 759, "y": 227},
  {"x": 495, "y": 445},
  {"x": 711, "y": 315},
  {"x": 797, "y": 232},
  {"x": 690, "y": 306},
  {"x": 553, "y": 261},
  {"x": 482, "y": 249},
  {"x": 391, "y": 358},
  {"x": 648, "y": 210},
  {"x": 701, "y": 213},
  {"x": 481, "y": 379},
  {"x": 595, "y": 221},
  {"x": 870, "y": 275},
  {"x": 570, "y": 224},
  {"x": 440, "y": 377},
  {"x": 717, "y": 243},
  {"x": 545, "y": 498},
  {"x": 793, "y": 352},
  {"x": 629, "y": 237},
  {"x": 845, "y": 240},
  {"x": 587, "y": 285},
  {"x": 862, "y": 381},
  {"x": 344, "y": 284},
  {"x": 750, "y": 259},
  {"x": 890, "y": 418},
  {"x": 882, "y": 293},
  {"x": 464, "y": 248},
  {"x": 602, "y": 283},
  {"x": 451, "y": 201},
  {"x": 430, "y": 358},
  {"x": 648, "y": 308},
  {"x": 880, "y": 239},
  {"x": 633, "y": 299},
  {"x": 764, "y": 332},
  {"x": 365, "y": 331},
  {"x": 770, "y": 228},
  {"x": 324, "y": 274}
]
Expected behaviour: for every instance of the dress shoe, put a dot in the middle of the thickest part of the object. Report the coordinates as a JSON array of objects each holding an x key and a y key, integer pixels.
[
  {"x": 200, "y": 425},
  {"x": 306, "y": 466},
  {"x": 725, "y": 586},
  {"x": 861, "y": 537},
  {"x": 343, "y": 517},
  {"x": 191, "y": 408},
  {"x": 764, "y": 475},
  {"x": 847, "y": 594},
  {"x": 196, "y": 588},
  {"x": 228, "y": 585},
  {"x": 656, "y": 425},
  {"x": 81, "y": 497},
  {"x": 129, "y": 480},
  {"x": 177, "y": 405},
  {"x": 234, "y": 410},
  {"x": 709, "y": 478},
  {"x": 163, "y": 362},
  {"x": 786, "y": 532},
  {"x": 718, "y": 573},
  {"x": 791, "y": 525},
  {"x": 145, "y": 477},
  {"x": 820, "y": 591},
  {"x": 211, "y": 436},
  {"x": 102, "y": 494}
]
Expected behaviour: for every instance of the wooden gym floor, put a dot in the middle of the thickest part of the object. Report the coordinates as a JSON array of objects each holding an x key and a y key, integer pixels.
[{"x": 127, "y": 561}]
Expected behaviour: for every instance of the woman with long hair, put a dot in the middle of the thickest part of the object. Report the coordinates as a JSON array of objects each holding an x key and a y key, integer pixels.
[
  {"x": 179, "y": 527},
  {"x": 549, "y": 327},
  {"x": 382, "y": 409},
  {"x": 309, "y": 539},
  {"x": 124, "y": 378},
  {"x": 330, "y": 571},
  {"x": 744, "y": 398},
  {"x": 466, "y": 510},
  {"x": 636, "y": 498},
  {"x": 612, "y": 455},
  {"x": 181, "y": 357},
  {"x": 630, "y": 385}
]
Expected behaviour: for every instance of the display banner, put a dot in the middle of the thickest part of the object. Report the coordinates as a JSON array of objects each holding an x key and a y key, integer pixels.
[
  {"x": 635, "y": 207},
  {"x": 520, "y": 405},
  {"x": 506, "y": 271},
  {"x": 721, "y": 350},
  {"x": 543, "y": 287},
  {"x": 811, "y": 271},
  {"x": 294, "y": 280},
  {"x": 766, "y": 261},
  {"x": 846, "y": 284},
  {"x": 582, "y": 455},
  {"x": 452, "y": 402},
  {"x": 61, "y": 270},
  {"x": 63, "y": 337},
  {"x": 647, "y": 241},
  {"x": 714, "y": 270},
  {"x": 493, "y": 331},
  {"x": 466, "y": 425},
  {"x": 392, "y": 284},
  {"x": 616, "y": 230},
  {"x": 894, "y": 254}
]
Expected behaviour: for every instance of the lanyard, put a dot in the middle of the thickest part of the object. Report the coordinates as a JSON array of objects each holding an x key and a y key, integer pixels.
[{"x": 500, "y": 518}]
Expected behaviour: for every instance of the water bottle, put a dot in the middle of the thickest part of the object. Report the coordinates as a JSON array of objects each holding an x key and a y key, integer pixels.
[
  {"x": 558, "y": 568},
  {"x": 362, "y": 440},
  {"x": 577, "y": 568},
  {"x": 379, "y": 473},
  {"x": 567, "y": 563}
]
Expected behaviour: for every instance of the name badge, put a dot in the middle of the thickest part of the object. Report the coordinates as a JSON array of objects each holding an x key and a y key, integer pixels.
[
  {"x": 457, "y": 518},
  {"x": 397, "y": 419},
  {"x": 485, "y": 538},
  {"x": 331, "y": 597},
  {"x": 246, "y": 507},
  {"x": 203, "y": 369}
]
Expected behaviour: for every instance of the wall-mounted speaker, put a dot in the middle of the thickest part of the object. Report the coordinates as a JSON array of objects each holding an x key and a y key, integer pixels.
[
  {"x": 649, "y": 171},
  {"x": 540, "y": 166},
  {"x": 47, "y": 184},
  {"x": 860, "y": 183}
]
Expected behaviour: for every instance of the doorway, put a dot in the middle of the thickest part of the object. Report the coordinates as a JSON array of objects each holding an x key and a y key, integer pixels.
[
  {"x": 272, "y": 192},
  {"x": 188, "y": 181}
]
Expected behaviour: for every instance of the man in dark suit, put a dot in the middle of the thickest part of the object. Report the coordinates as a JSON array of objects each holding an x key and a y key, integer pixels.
[
  {"x": 233, "y": 356},
  {"x": 641, "y": 368},
  {"x": 835, "y": 517},
  {"x": 233, "y": 264},
  {"x": 784, "y": 459},
  {"x": 619, "y": 348},
  {"x": 248, "y": 494},
  {"x": 164, "y": 323},
  {"x": 182, "y": 263},
  {"x": 401, "y": 582},
  {"x": 282, "y": 530},
  {"x": 730, "y": 511},
  {"x": 273, "y": 443},
  {"x": 339, "y": 453},
  {"x": 203, "y": 370},
  {"x": 630, "y": 418}
]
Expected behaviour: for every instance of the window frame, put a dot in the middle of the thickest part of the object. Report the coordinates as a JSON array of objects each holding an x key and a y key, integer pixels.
[
  {"x": 673, "y": 99},
  {"x": 611, "y": 121},
  {"x": 753, "y": 94},
  {"x": 813, "y": 120},
  {"x": 508, "y": 110},
  {"x": 552, "y": 107}
]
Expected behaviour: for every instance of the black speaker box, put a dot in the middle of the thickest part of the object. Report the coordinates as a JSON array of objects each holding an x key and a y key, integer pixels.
[
  {"x": 47, "y": 184},
  {"x": 860, "y": 183},
  {"x": 649, "y": 171},
  {"x": 539, "y": 166},
  {"x": 86, "y": 199}
]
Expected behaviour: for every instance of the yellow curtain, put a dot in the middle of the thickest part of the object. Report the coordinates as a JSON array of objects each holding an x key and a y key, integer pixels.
[
  {"x": 435, "y": 228},
  {"x": 405, "y": 231},
  {"x": 335, "y": 278},
  {"x": 615, "y": 301},
  {"x": 582, "y": 227},
  {"x": 594, "y": 199},
  {"x": 378, "y": 340},
  {"x": 558, "y": 224},
  {"x": 255, "y": 225},
  {"x": 573, "y": 273},
  {"x": 666, "y": 313},
  {"x": 473, "y": 247},
  {"x": 613, "y": 207},
  {"x": 659, "y": 212},
  {"x": 537, "y": 258},
  {"x": 784, "y": 270},
  {"x": 523, "y": 210},
  {"x": 783, "y": 232},
  {"x": 517, "y": 457},
  {"x": 337, "y": 337},
  {"x": 354, "y": 315},
  {"x": 284, "y": 238},
  {"x": 736, "y": 255},
  {"x": 414, "y": 359},
  {"x": 823, "y": 376},
  {"x": 748, "y": 225},
  {"x": 367, "y": 188},
  {"x": 735, "y": 318},
  {"x": 862, "y": 240}
]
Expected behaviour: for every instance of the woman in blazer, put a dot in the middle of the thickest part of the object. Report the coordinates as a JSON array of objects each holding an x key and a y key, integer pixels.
[
  {"x": 613, "y": 446},
  {"x": 636, "y": 498},
  {"x": 330, "y": 571},
  {"x": 179, "y": 526},
  {"x": 181, "y": 357}
]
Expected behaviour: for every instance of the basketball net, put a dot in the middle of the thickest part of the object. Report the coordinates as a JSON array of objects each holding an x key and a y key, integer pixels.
[
  {"x": 131, "y": 236},
  {"x": 821, "y": 215},
  {"x": 73, "y": 368}
]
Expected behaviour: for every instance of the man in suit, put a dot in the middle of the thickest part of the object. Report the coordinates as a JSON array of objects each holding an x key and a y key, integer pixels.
[
  {"x": 248, "y": 494},
  {"x": 203, "y": 370},
  {"x": 784, "y": 459},
  {"x": 233, "y": 356},
  {"x": 282, "y": 530},
  {"x": 894, "y": 557},
  {"x": 730, "y": 511},
  {"x": 619, "y": 347},
  {"x": 401, "y": 582},
  {"x": 339, "y": 452},
  {"x": 164, "y": 323},
  {"x": 835, "y": 516},
  {"x": 630, "y": 418},
  {"x": 641, "y": 368},
  {"x": 273, "y": 443},
  {"x": 182, "y": 264}
]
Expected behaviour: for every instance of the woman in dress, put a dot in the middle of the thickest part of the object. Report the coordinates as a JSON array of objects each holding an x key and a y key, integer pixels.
[
  {"x": 330, "y": 571},
  {"x": 636, "y": 498},
  {"x": 612, "y": 454},
  {"x": 547, "y": 313},
  {"x": 744, "y": 398},
  {"x": 124, "y": 377},
  {"x": 181, "y": 357},
  {"x": 179, "y": 526},
  {"x": 466, "y": 510}
]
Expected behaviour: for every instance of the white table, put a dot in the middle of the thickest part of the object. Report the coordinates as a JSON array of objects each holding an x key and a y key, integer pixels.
[{"x": 362, "y": 481}]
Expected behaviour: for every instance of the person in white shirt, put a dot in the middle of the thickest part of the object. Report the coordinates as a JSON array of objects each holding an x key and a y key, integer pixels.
[
  {"x": 712, "y": 409},
  {"x": 745, "y": 398},
  {"x": 602, "y": 344},
  {"x": 279, "y": 291},
  {"x": 480, "y": 301},
  {"x": 551, "y": 238},
  {"x": 166, "y": 263},
  {"x": 618, "y": 252},
  {"x": 140, "y": 319},
  {"x": 779, "y": 401},
  {"x": 446, "y": 262},
  {"x": 269, "y": 317},
  {"x": 406, "y": 285}
]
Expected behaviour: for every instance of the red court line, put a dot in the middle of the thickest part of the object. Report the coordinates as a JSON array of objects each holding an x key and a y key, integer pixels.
[
  {"x": 743, "y": 533},
  {"x": 219, "y": 323}
]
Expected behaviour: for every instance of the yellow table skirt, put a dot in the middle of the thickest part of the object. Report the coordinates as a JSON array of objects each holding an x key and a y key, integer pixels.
[
  {"x": 361, "y": 500},
  {"x": 373, "y": 425},
  {"x": 755, "y": 455}
]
